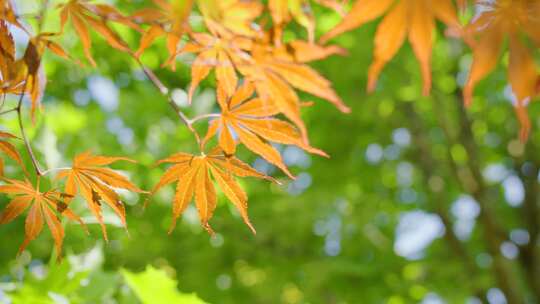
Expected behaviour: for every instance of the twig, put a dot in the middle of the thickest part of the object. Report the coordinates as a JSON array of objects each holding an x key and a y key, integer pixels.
[
  {"x": 23, "y": 133},
  {"x": 166, "y": 93},
  {"x": 529, "y": 257},
  {"x": 41, "y": 16},
  {"x": 3, "y": 101},
  {"x": 8, "y": 111},
  {"x": 54, "y": 170},
  {"x": 493, "y": 232}
]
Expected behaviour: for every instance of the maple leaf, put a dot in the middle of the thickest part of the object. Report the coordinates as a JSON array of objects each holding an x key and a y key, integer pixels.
[
  {"x": 283, "y": 11},
  {"x": 9, "y": 82},
  {"x": 41, "y": 205},
  {"x": 272, "y": 72},
  {"x": 274, "y": 76},
  {"x": 96, "y": 183},
  {"x": 219, "y": 52},
  {"x": 235, "y": 16},
  {"x": 302, "y": 51},
  {"x": 7, "y": 14},
  {"x": 169, "y": 19},
  {"x": 33, "y": 72},
  {"x": 10, "y": 151},
  {"x": 414, "y": 19},
  {"x": 84, "y": 15},
  {"x": 486, "y": 35},
  {"x": 194, "y": 174},
  {"x": 252, "y": 122}
]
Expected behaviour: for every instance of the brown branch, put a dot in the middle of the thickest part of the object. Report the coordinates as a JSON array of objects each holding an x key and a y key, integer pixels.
[
  {"x": 8, "y": 111},
  {"x": 166, "y": 93},
  {"x": 27, "y": 144}
]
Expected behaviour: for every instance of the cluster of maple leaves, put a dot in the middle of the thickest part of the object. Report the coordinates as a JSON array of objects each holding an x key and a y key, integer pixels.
[{"x": 257, "y": 77}]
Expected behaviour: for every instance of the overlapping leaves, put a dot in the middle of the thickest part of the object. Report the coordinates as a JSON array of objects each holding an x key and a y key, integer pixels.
[
  {"x": 84, "y": 15},
  {"x": 486, "y": 34},
  {"x": 42, "y": 207},
  {"x": 9, "y": 150},
  {"x": 96, "y": 184},
  {"x": 412, "y": 19},
  {"x": 251, "y": 121}
]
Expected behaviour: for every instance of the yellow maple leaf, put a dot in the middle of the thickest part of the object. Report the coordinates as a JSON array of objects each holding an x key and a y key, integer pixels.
[
  {"x": 9, "y": 150},
  {"x": 84, "y": 15},
  {"x": 283, "y": 11},
  {"x": 41, "y": 205},
  {"x": 250, "y": 119},
  {"x": 169, "y": 19},
  {"x": 412, "y": 19},
  {"x": 96, "y": 184},
  {"x": 193, "y": 175},
  {"x": 486, "y": 34}
]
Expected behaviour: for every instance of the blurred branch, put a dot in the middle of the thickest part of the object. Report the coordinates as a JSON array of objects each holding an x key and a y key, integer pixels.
[
  {"x": 493, "y": 231},
  {"x": 427, "y": 165},
  {"x": 528, "y": 168}
]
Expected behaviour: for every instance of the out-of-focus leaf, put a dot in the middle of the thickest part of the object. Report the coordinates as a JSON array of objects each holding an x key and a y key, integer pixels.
[{"x": 153, "y": 286}]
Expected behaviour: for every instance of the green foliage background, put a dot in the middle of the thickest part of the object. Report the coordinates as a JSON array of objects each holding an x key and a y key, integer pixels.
[{"x": 332, "y": 242}]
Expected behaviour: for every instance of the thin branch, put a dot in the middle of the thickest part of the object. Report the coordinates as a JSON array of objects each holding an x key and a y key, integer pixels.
[
  {"x": 493, "y": 231},
  {"x": 166, "y": 93},
  {"x": 528, "y": 167},
  {"x": 3, "y": 102},
  {"x": 428, "y": 166},
  {"x": 41, "y": 16},
  {"x": 8, "y": 111},
  {"x": 23, "y": 133}
]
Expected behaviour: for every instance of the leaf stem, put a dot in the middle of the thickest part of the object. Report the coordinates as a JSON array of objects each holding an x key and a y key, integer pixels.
[
  {"x": 43, "y": 173},
  {"x": 204, "y": 116}
]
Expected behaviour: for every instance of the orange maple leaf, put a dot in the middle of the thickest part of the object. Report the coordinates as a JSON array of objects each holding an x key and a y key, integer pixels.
[
  {"x": 219, "y": 52},
  {"x": 7, "y": 51},
  {"x": 10, "y": 150},
  {"x": 42, "y": 205},
  {"x": 12, "y": 77},
  {"x": 274, "y": 76},
  {"x": 273, "y": 72},
  {"x": 414, "y": 19},
  {"x": 486, "y": 35},
  {"x": 252, "y": 122},
  {"x": 33, "y": 71},
  {"x": 169, "y": 19},
  {"x": 7, "y": 14},
  {"x": 84, "y": 15},
  {"x": 235, "y": 16},
  {"x": 283, "y": 11},
  {"x": 96, "y": 183},
  {"x": 193, "y": 176}
]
